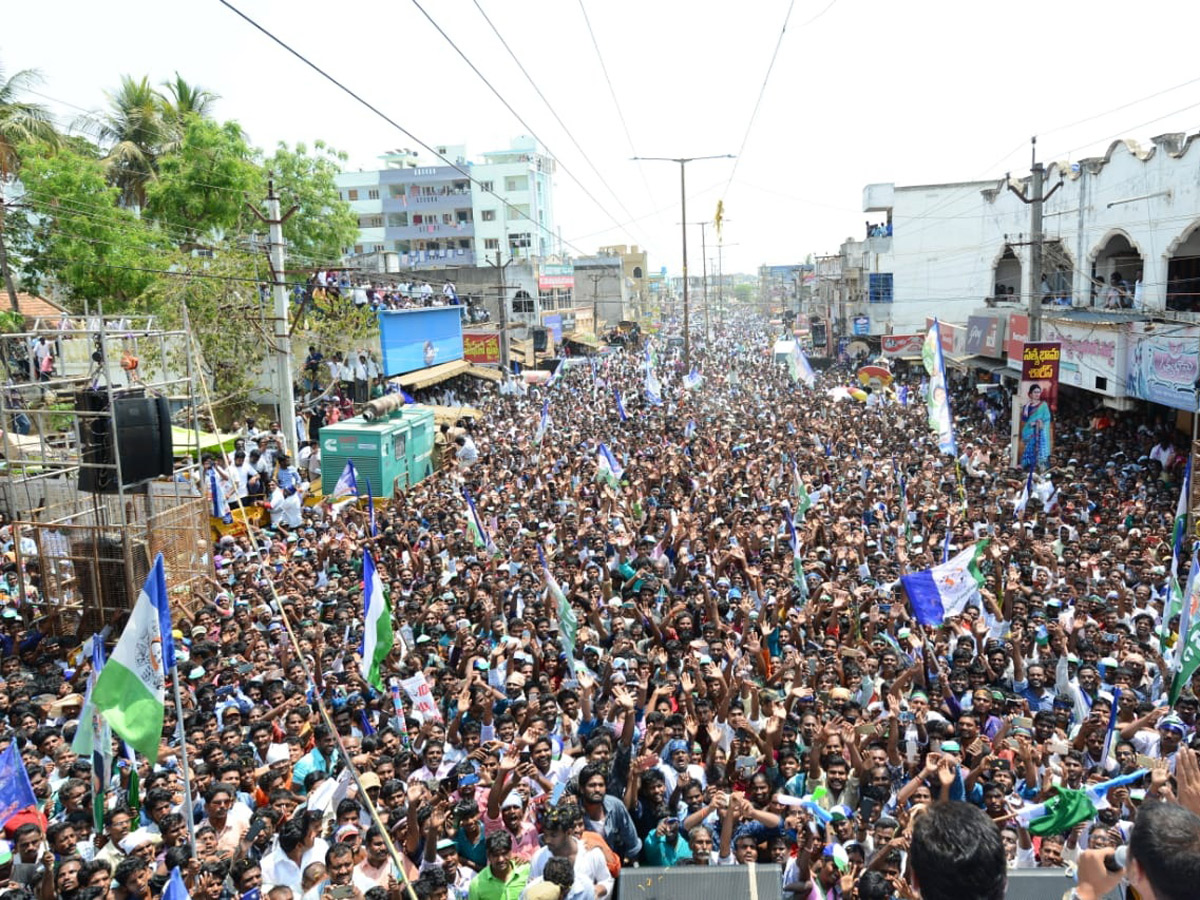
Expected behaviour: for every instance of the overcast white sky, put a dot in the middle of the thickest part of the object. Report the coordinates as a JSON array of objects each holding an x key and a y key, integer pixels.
[{"x": 863, "y": 91}]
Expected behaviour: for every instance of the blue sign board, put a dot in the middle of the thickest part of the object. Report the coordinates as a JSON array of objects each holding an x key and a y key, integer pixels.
[
  {"x": 412, "y": 339},
  {"x": 554, "y": 324}
]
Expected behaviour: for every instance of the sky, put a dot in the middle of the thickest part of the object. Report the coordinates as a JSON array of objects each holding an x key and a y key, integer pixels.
[{"x": 861, "y": 91}]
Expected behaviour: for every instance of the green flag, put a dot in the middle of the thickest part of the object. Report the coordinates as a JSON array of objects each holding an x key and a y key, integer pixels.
[
  {"x": 1186, "y": 658},
  {"x": 1063, "y": 812}
]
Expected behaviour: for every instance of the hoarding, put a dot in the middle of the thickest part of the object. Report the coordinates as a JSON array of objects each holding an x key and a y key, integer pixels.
[
  {"x": 894, "y": 345},
  {"x": 1163, "y": 367},
  {"x": 985, "y": 336},
  {"x": 1039, "y": 400},
  {"x": 556, "y": 276},
  {"x": 481, "y": 347},
  {"x": 412, "y": 339}
]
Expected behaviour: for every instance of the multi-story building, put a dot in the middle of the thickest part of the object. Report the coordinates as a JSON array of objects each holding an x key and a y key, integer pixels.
[
  {"x": 635, "y": 267},
  {"x": 513, "y": 196},
  {"x": 435, "y": 217}
]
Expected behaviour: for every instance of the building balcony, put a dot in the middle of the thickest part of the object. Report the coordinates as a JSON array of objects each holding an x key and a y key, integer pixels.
[{"x": 413, "y": 232}]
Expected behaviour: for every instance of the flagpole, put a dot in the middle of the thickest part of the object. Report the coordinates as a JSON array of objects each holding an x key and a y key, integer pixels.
[{"x": 183, "y": 757}]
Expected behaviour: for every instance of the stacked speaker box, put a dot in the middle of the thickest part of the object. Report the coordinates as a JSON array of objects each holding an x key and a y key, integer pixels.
[
  {"x": 137, "y": 429},
  {"x": 539, "y": 340},
  {"x": 700, "y": 882}
]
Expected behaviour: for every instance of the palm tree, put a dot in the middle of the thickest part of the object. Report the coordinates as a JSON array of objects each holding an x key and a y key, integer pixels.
[
  {"x": 21, "y": 122},
  {"x": 178, "y": 103},
  {"x": 132, "y": 133}
]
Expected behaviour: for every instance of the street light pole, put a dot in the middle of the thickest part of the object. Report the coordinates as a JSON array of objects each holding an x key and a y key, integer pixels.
[{"x": 683, "y": 161}]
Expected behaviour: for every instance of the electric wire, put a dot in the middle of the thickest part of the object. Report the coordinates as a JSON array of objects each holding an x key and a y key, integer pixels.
[
  {"x": 630, "y": 217},
  {"x": 521, "y": 119},
  {"x": 389, "y": 120},
  {"x": 616, "y": 103}
]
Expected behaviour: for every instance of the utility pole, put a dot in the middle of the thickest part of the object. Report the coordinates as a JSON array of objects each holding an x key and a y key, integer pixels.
[
  {"x": 596, "y": 303},
  {"x": 283, "y": 337},
  {"x": 683, "y": 161},
  {"x": 503, "y": 311},
  {"x": 1035, "y": 202}
]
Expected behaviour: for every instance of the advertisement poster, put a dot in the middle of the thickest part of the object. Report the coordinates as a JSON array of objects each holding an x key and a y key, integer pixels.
[
  {"x": 481, "y": 347},
  {"x": 414, "y": 339},
  {"x": 1039, "y": 400},
  {"x": 894, "y": 345},
  {"x": 1163, "y": 367}
]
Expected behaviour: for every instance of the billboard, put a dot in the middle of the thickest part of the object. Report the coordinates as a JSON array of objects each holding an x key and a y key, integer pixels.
[
  {"x": 1163, "y": 367},
  {"x": 1018, "y": 334},
  {"x": 482, "y": 347},
  {"x": 412, "y": 339},
  {"x": 985, "y": 336},
  {"x": 1039, "y": 400},
  {"x": 901, "y": 344},
  {"x": 1093, "y": 355},
  {"x": 954, "y": 337},
  {"x": 554, "y": 324},
  {"x": 555, "y": 276}
]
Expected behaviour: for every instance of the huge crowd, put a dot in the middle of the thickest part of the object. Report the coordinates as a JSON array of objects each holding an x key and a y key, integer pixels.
[{"x": 724, "y": 703}]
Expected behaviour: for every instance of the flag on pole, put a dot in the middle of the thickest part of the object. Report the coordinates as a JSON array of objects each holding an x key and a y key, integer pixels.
[
  {"x": 478, "y": 530},
  {"x": 620, "y": 405},
  {"x": 347, "y": 483},
  {"x": 371, "y": 509},
  {"x": 1110, "y": 736},
  {"x": 16, "y": 793},
  {"x": 609, "y": 470},
  {"x": 176, "y": 889},
  {"x": 544, "y": 424},
  {"x": 568, "y": 622},
  {"x": 799, "y": 366},
  {"x": 946, "y": 546},
  {"x": 945, "y": 590},
  {"x": 377, "y": 625},
  {"x": 130, "y": 690},
  {"x": 938, "y": 398},
  {"x": 220, "y": 503},
  {"x": 1053, "y": 818},
  {"x": 794, "y": 541},
  {"x": 803, "y": 501},
  {"x": 1186, "y": 658},
  {"x": 653, "y": 388},
  {"x": 93, "y": 738},
  {"x": 1023, "y": 498}
]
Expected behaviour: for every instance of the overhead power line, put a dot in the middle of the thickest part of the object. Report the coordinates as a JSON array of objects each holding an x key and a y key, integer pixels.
[
  {"x": 521, "y": 119},
  {"x": 386, "y": 118},
  {"x": 630, "y": 217},
  {"x": 616, "y": 103}
]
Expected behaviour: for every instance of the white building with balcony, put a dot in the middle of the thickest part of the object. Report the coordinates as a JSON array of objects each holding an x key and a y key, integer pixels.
[
  {"x": 417, "y": 216},
  {"x": 1125, "y": 224}
]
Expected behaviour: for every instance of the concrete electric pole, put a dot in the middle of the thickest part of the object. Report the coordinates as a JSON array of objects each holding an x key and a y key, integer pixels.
[
  {"x": 283, "y": 333},
  {"x": 1036, "y": 201}
]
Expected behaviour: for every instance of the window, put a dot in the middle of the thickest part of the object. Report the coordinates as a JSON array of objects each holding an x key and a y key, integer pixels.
[
  {"x": 397, "y": 220},
  {"x": 374, "y": 221},
  {"x": 358, "y": 248},
  {"x": 637, "y": 271},
  {"x": 486, "y": 186},
  {"x": 488, "y": 215},
  {"x": 353, "y": 195},
  {"x": 464, "y": 244},
  {"x": 378, "y": 248},
  {"x": 447, "y": 218},
  {"x": 464, "y": 216},
  {"x": 522, "y": 239},
  {"x": 491, "y": 243},
  {"x": 373, "y": 194},
  {"x": 522, "y": 302},
  {"x": 880, "y": 287}
]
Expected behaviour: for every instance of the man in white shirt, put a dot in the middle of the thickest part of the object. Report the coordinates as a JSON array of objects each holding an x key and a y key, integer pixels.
[{"x": 590, "y": 865}]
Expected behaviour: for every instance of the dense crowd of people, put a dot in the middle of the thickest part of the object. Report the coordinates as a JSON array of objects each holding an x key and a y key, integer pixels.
[{"x": 707, "y": 692}]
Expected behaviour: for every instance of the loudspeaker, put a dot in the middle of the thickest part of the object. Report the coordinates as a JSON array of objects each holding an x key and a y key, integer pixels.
[
  {"x": 539, "y": 340},
  {"x": 141, "y": 427},
  {"x": 700, "y": 882}
]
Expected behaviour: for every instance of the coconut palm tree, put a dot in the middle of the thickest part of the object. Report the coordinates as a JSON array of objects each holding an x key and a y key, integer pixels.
[
  {"x": 180, "y": 101},
  {"x": 131, "y": 132},
  {"x": 21, "y": 122}
]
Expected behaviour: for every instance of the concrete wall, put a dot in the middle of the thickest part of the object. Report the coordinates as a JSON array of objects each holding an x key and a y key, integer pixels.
[{"x": 948, "y": 238}]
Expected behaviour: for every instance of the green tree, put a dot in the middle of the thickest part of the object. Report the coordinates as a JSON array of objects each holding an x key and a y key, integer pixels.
[
  {"x": 229, "y": 319},
  {"x": 72, "y": 230},
  {"x": 21, "y": 123},
  {"x": 131, "y": 132},
  {"x": 324, "y": 225},
  {"x": 199, "y": 194},
  {"x": 178, "y": 103}
]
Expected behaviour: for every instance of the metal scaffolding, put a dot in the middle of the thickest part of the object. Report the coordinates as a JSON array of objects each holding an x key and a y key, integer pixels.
[{"x": 85, "y": 554}]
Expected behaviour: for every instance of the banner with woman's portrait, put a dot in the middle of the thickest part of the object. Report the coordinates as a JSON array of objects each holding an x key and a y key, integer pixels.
[{"x": 1038, "y": 402}]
